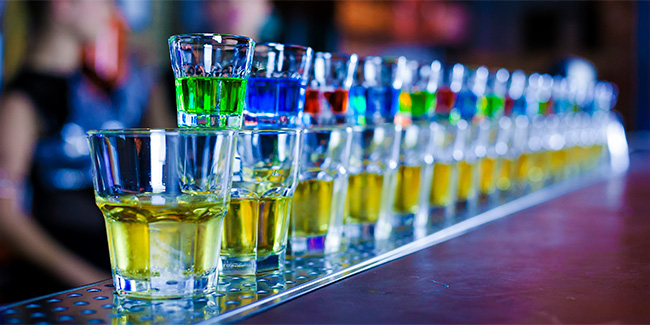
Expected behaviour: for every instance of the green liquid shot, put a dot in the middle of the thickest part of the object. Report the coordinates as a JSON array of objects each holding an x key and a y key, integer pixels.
[{"x": 210, "y": 101}]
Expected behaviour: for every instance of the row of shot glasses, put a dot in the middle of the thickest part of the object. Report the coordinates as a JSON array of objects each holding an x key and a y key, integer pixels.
[{"x": 286, "y": 152}]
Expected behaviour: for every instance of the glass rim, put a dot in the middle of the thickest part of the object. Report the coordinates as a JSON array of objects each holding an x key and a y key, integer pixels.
[
  {"x": 148, "y": 131},
  {"x": 211, "y": 36},
  {"x": 327, "y": 128},
  {"x": 337, "y": 55},
  {"x": 357, "y": 128},
  {"x": 269, "y": 131},
  {"x": 282, "y": 46}
]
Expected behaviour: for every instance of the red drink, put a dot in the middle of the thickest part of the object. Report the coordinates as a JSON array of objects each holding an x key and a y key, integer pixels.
[{"x": 338, "y": 100}]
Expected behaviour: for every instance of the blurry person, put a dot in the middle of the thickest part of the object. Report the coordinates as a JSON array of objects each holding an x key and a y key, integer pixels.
[{"x": 47, "y": 209}]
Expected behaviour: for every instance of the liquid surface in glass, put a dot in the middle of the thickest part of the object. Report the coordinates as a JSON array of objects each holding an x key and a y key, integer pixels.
[
  {"x": 441, "y": 191},
  {"x": 364, "y": 198},
  {"x": 240, "y": 228},
  {"x": 487, "y": 175},
  {"x": 465, "y": 180},
  {"x": 273, "y": 225},
  {"x": 312, "y": 208},
  {"x": 504, "y": 180},
  {"x": 210, "y": 95},
  {"x": 408, "y": 189},
  {"x": 148, "y": 240},
  {"x": 274, "y": 100}
]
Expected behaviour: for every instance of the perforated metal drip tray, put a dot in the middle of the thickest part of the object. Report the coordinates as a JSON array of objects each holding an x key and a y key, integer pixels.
[{"x": 239, "y": 297}]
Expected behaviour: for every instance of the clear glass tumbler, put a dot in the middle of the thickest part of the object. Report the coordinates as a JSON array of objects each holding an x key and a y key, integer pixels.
[
  {"x": 327, "y": 92},
  {"x": 413, "y": 175},
  {"x": 264, "y": 180},
  {"x": 164, "y": 195},
  {"x": 319, "y": 200},
  {"x": 210, "y": 72},
  {"x": 372, "y": 181},
  {"x": 277, "y": 84}
]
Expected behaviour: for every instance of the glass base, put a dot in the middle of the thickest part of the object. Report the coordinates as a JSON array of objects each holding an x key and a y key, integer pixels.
[
  {"x": 314, "y": 245},
  {"x": 193, "y": 120},
  {"x": 270, "y": 120},
  {"x": 271, "y": 263},
  {"x": 177, "y": 311},
  {"x": 402, "y": 222},
  {"x": 466, "y": 208},
  {"x": 359, "y": 232},
  {"x": 165, "y": 288},
  {"x": 440, "y": 216},
  {"x": 238, "y": 265}
]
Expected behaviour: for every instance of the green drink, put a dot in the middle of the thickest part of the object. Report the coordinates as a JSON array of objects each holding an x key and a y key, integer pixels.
[
  {"x": 210, "y": 101},
  {"x": 422, "y": 103}
]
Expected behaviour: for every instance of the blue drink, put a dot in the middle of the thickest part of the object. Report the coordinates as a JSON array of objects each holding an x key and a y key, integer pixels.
[
  {"x": 467, "y": 104},
  {"x": 274, "y": 101},
  {"x": 373, "y": 105}
]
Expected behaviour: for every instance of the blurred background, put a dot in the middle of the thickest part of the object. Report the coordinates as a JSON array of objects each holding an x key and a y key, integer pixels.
[{"x": 535, "y": 36}]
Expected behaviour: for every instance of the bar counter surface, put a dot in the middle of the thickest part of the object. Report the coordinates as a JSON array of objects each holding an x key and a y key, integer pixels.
[
  {"x": 582, "y": 255},
  {"x": 580, "y": 258}
]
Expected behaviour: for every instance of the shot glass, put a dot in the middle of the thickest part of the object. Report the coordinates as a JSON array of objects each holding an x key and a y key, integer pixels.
[
  {"x": 373, "y": 177},
  {"x": 327, "y": 92},
  {"x": 491, "y": 107},
  {"x": 210, "y": 73},
  {"x": 419, "y": 85},
  {"x": 471, "y": 94},
  {"x": 374, "y": 96},
  {"x": 277, "y": 84},
  {"x": 264, "y": 180},
  {"x": 448, "y": 147},
  {"x": 503, "y": 149},
  {"x": 413, "y": 175},
  {"x": 164, "y": 195},
  {"x": 319, "y": 200}
]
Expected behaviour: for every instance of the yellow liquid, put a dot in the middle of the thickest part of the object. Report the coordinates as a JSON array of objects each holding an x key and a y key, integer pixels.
[
  {"x": 503, "y": 178},
  {"x": 539, "y": 166},
  {"x": 240, "y": 228},
  {"x": 364, "y": 198},
  {"x": 487, "y": 175},
  {"x": 441, "y": 185},
  {"x": 273, "y": 225},
  {"x": 576, "y": 157},
  {"x": 408, "y": 189},
  {"x": 559, "y": 161},
  {"x": 522, "y": 165},
  {"x": 147, "y": 239},
  {"x": 312, "y": 208},
  {"x": 465, "y": 180},
  {"x": 594, "y": 154}
]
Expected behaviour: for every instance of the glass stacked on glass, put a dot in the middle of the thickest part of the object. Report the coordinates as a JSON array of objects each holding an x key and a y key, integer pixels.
[
  {"x": 327, "y": 93},
  {"x": 264, "y": 180},
  {"x": 416, "y": 156},
  {"x": 210, "y": 73},
  {"x": 277, "y": 85},
  {"x": 448, "y": 144},
  {"x": 319, "y": 200}
]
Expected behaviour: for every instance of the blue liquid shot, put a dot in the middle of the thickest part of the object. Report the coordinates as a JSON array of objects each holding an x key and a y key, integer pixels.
[
  {"x": 466, "y": 103},
  {"x": 372, "y": 105},
  {"x": 274, "y": 101}
]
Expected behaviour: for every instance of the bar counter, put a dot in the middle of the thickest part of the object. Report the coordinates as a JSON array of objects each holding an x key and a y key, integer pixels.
[
  {"x": 580, "y": 258},
  {"x": 576, "y": 252}
]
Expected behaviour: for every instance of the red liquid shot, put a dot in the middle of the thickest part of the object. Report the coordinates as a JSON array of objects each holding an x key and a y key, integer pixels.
[
  {"x": 312, "y": 102},
  {"x": 338, "y": 100},
  {"x": 445, "y": 100},
  {"x": 507, "y": 107}
]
